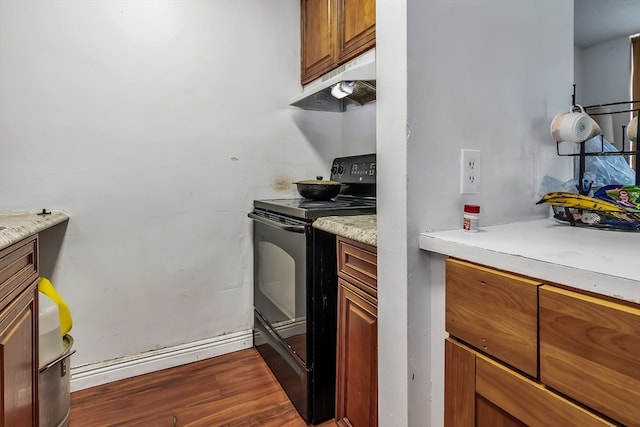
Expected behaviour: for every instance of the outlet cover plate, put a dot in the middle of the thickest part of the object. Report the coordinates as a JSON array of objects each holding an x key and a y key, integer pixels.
[{"x": 469, "y": 171}]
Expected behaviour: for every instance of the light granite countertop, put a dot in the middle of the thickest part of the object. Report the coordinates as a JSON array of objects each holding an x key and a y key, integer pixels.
[
  {"x": 19, "y": 225},
  {"x": 600, "y": 261},
  {"x": 361, "y": 228}
]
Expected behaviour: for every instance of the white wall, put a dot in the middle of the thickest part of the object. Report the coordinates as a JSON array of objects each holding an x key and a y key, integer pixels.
[
  {"x": 155, "y": 125},
  {"x": 391, "y": 146},
  {"x": 482, "y": 75},
  {"x": 359, "y": 130},
  {"x": 578, "y": 75},
  {"x": 604, "y": 72}
]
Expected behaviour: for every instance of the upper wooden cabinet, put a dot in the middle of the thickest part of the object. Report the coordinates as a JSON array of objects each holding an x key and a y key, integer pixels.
[
  {"x": 318, "y": 37},
  {"x": 356, "y": 24},
  {"x": 334, "y": 32}
]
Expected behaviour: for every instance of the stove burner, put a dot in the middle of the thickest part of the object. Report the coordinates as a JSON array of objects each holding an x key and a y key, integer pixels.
[{"x": 318, "y": 203}]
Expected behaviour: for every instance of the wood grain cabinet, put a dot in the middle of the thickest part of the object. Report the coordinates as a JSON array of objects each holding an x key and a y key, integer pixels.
[
  {"x": 494, "y": 311},
  {"x": 357, "y": 346},
  {"x": 481, "y": 392},
  {"x": 590, "y": 351},
  {"x": 525, "y": 353},
  {"x": 334, "y": 32},
  {"x": 19, "y": 334}
]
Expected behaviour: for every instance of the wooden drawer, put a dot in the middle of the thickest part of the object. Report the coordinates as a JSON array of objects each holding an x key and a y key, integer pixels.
[
  {"x": 495, "y": 312},
  {"x": 18, "y": 268},
  {"x": 590, "y": 351},
  {"x": 359, "y": 261}
]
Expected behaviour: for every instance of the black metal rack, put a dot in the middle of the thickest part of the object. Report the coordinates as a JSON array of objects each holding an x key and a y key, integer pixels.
[{"x": 583, "y": 154}]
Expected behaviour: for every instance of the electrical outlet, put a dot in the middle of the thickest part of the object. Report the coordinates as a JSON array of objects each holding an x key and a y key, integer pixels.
[{"x": 469, "y": 171}]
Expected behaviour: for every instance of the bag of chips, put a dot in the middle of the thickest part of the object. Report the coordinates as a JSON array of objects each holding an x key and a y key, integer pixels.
[{"x": 625, "y": 196}]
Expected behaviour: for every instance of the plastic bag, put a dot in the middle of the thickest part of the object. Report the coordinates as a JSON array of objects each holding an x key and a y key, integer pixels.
[
  {"x": 604, "y": 170},
  {"x": 551, "y": 185},
  {"x": 599, "y": 171}
]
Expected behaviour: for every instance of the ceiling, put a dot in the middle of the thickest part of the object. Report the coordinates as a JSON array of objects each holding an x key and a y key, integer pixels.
[{"x": 596, "y": 21}]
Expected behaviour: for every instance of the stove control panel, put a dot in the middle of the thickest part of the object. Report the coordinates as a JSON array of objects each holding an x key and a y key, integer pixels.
[{"x": 354, "y": 169}]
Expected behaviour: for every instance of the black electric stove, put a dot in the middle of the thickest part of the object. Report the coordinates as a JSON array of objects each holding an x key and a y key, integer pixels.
[{"x": 296, "y": 286}]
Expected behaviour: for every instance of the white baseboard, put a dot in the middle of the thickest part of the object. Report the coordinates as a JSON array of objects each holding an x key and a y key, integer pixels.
[{"x": 94, "y": 374}]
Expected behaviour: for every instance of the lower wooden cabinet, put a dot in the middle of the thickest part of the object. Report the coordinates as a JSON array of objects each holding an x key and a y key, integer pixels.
[
  {"x": 590, "y": 351},
  {"x": 480, "y": 392},
  {"x": 19, "y": 361},
  {"x": 525, "y": 353},
  {"x": 19, "y": 334},
  {"x": 357, "y": 346},
  {"x": 357, "y": 381}
]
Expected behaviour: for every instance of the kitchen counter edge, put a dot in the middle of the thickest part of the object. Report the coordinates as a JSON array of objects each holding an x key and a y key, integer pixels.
[
  {"x": 20, "y": 225},
  {"x": 361, "y": 228},
  {"x": 599, "y": 261}
]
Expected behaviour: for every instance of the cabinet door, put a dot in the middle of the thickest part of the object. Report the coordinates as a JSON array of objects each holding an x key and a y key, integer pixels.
[
  {"x": 318, "y": 35},
  {"x": 463, "y": 407},
  {"x": 590, "y": 350},
  {"x": 357, "y": 358},
  {"x": 481, "y": 392},
  {"x": 490, "y": 415},
  {"x": 459, "y": 385},
  {"x": 356, "y": 22},
  {"x": 19, "y": 376}
]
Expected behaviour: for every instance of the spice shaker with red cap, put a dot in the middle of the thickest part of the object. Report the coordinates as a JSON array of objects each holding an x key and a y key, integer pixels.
[{"x": 471, "y": 218}]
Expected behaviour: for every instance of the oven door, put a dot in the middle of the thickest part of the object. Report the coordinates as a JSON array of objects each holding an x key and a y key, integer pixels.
[
  {"x": 291, "y": 373},
  {"x": 280, "y": 277}
]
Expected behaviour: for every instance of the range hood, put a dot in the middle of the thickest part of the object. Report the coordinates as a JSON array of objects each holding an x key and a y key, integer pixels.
[{"x": 355, "y": 81}]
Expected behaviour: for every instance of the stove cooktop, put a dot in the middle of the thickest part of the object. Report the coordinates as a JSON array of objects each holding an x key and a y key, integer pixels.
[
  {"x": 312, "y": 209},
  {"x": 357, "y": 195}
]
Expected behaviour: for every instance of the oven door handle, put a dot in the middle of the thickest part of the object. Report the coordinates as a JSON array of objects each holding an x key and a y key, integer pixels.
[{"x": 272, "y": 223}]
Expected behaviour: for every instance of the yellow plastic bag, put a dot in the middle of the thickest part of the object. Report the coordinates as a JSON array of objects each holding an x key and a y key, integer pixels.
[{"x": 47, "y": 288}]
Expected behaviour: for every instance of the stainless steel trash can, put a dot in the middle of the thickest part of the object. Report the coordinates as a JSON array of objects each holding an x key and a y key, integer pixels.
[{"x": 54, "y": 389}]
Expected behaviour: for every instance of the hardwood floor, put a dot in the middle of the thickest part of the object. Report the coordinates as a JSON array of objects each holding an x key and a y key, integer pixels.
[{"x": 235, "y": 389}]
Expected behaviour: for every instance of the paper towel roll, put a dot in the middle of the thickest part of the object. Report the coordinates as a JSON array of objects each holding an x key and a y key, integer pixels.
[
  {"x": 605, "y": 121},
  {"x": 632, "y": 129}
]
